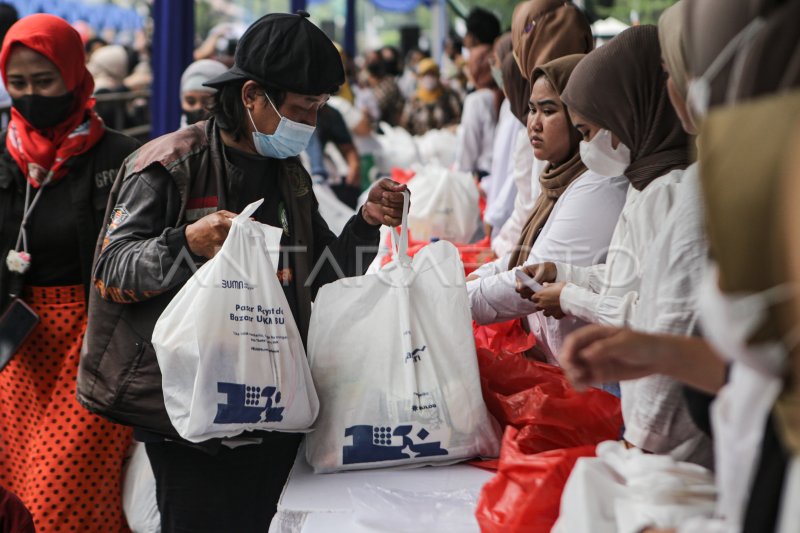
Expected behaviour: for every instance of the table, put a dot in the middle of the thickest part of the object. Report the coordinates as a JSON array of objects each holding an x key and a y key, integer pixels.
[{"x": 317, "y": 503}]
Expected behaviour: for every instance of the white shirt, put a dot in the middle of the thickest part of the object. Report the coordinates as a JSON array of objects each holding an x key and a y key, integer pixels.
[
  {"x": 608, "y": 293},
  {"x": 476, "y": 132},
  {"x": 579, "y": 230},
  {"x": 525, "y": 173},
  {"x": 655, "y": 414},
  {"x": 365, "y": 144},
  {"x": 499, "y": 184}
]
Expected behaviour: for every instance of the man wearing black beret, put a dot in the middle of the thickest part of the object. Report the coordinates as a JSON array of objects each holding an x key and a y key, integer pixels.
[{"x": 171, "y": 209}]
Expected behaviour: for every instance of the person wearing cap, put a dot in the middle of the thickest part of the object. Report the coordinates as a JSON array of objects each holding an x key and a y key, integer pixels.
[
  {"x": 196, "y": 97},
  {"x": 171, "y": 210},
  {"x": 434, "y": 105}
]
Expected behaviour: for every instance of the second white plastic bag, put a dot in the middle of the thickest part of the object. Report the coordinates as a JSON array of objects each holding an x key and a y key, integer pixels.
[{"x": 393, "y": 358}]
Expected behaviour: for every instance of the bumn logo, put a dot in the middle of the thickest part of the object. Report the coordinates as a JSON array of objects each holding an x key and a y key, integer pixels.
[
  {"x": 248, "y": 404},
  {"x": 373, "y": 444},
  {"x": 416, "y": 355}
]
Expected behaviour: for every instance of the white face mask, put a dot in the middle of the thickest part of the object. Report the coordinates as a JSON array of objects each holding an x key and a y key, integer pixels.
[
  {"x": 429, "y": 83},
  {"x": 601, "y": 158},
  {"x": 698, "y": 94},
  {"x": 729, "y": 320}
]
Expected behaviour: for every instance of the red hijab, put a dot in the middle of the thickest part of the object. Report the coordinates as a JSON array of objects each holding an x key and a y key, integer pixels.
[{"x": 44, "y": 153}]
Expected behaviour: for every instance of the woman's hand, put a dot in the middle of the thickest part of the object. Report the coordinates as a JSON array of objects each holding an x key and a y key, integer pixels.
[
  {"x": 548, "y": 300},
  {"x": 542, "y": 273},
  {"x": 602, "y": 354}
]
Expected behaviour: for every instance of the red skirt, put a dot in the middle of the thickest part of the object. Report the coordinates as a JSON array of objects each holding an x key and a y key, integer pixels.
[{"x": 63, "y": 462}]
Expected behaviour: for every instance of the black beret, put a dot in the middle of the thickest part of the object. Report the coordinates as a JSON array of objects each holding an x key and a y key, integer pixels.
[{"x": 286, "y": 52}]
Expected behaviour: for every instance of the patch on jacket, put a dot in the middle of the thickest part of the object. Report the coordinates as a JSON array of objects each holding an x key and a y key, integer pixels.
[
  {"x": 197, "y": 208},
  {"x": 118, "y": 215},
  {"x": 105, "y": 178},
  {"x": 297, "y": 177}
]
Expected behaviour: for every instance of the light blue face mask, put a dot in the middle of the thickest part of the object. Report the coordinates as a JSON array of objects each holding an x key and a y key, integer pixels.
[{"x": 290, "y": 138}]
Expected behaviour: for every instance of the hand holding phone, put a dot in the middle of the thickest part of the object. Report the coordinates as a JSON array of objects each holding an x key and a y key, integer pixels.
[{"x": 16, "y": 324}]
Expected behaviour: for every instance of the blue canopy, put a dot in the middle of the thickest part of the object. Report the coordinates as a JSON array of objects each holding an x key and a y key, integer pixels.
[{"x": 401, "y": 6}]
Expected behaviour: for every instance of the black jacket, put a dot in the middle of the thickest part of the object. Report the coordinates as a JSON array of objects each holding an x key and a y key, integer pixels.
[{"x": 89, "y": 182}]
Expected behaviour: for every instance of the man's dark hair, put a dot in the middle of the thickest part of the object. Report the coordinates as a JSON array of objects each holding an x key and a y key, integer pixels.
[
  {"x": 483, "y": 25},
  {"x": 377, "y": 67},
  {"x": 393, "y": 67},
  {"x": 229, "y": 111},
  {"x": 8, "y": 16}
]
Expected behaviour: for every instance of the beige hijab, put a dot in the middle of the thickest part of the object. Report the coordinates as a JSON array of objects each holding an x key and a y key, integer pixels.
[
  {"x": 543, "y": 30},
  {"x": 788, "y": 407},
  {"x": 671, "y": 37}
]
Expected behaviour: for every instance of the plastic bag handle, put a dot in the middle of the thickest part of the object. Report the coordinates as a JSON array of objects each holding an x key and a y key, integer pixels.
[
  {"x": 248, "y": 211},
  {"x": 401, "y": 249}
]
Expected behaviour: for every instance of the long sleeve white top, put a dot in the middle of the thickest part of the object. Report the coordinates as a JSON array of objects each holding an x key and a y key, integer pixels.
[
  {"x": 608, "y": 293},
  {"x": 653, "y": 408},
  {"x": 525, "y": 174},
  {"x": 578, "y": 230},
  {"x": 476, "y": 132},
  {"x": 499, "y": 184}
]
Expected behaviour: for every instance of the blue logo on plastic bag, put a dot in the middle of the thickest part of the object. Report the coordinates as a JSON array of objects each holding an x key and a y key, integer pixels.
[
  {"x": 416, "y": 355},
  {"x": 247, "y": 404},
  {"x": 373, "y": 444}
]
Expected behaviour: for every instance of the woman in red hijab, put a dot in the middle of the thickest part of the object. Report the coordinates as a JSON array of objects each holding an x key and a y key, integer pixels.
[{"x": 57, "y": 164}]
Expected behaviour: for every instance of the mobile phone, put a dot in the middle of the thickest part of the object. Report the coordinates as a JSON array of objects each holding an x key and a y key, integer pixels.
[
  {"x": 528, "y": 281},
  {"x": 18, "y": 321}
]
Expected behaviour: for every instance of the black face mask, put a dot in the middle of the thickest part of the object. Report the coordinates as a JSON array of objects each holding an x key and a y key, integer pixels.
[
  {"x": 44, "y": 112},
  {"x": 193, "y": 117}
]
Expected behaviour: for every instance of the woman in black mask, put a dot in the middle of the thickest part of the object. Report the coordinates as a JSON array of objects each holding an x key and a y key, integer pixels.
[
  {"x": 196, "y": 98},
  {"x": 57, "y": 164}
]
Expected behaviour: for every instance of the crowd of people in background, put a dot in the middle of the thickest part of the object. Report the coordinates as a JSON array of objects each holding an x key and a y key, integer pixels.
[{"x": 646, "y": 185}]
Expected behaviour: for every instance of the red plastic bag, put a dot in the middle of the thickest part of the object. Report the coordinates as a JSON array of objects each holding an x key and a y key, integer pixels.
[
  {"x": 536, "y": 398},
  {"x": 401, "y": 175},
  {"x": 525, "y": 495},
  {"x": 472, "y": 255}
]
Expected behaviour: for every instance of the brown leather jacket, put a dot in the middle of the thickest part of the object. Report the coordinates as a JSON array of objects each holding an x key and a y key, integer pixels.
[{"x": 142, "y": 260}]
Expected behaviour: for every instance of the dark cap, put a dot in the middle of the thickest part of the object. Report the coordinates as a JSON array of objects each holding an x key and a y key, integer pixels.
[{"x": 288, "y": 53}]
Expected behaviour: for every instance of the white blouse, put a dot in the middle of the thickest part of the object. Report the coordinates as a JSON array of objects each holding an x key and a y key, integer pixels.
[
  {"x": 654, "y": 410},
  {"x": 525, "y": 174},
  {"x": 578, "y": 230},
  {"x": 476, "y": 132},
  {"x": 499, "y": 184},
  {"x": 608, "y": 293}
]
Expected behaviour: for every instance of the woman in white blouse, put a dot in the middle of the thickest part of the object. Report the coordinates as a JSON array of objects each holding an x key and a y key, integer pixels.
[
  {"x": 618, "y": 100},
  {"x": 573, "y": 218}
]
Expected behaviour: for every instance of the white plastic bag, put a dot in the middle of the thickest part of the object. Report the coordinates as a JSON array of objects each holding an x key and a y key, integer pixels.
[
  {"x": 402, "y": 511},
  {"x": 445, "y": 205},
  {"x": 393, "y": 358},
  {"x": 625, "y": 491},
  {"x": 139, "y": 492},
  {"x": 230, "y": 354},
  {"x": 335, "y": 212},
  {"x": 437, "y": 147},
  {"x": 398, "y": 147}
]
